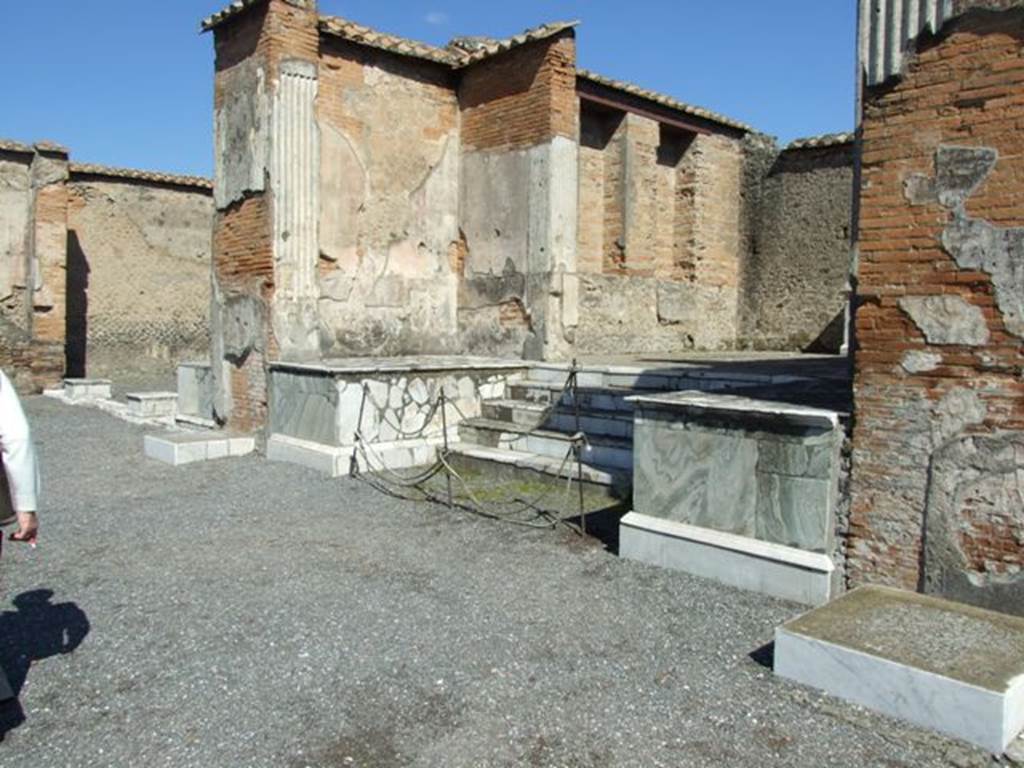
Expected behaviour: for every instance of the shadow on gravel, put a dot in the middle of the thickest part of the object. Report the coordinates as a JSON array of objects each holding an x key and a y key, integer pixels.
[
  {"x": 37, "y": 630},
  {"x": 765, "y": 655}
]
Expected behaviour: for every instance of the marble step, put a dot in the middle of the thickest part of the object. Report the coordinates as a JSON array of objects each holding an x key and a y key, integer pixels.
[
  {"x": 601, "y": 450},
  {"x": 617, "y": 482},
  {"x": 561, "y": 419}
]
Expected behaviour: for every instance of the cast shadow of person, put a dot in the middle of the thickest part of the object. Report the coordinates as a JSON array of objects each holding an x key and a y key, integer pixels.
[{"x": 37, "y": 630}]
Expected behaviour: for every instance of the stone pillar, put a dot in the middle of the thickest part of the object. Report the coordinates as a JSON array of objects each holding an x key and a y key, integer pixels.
[
  {"x": 266, "y": 190},
  {"x": 46, "y": 265},
  {"x": 938, "y": 443},
  {"x": 520, "y": 127}
]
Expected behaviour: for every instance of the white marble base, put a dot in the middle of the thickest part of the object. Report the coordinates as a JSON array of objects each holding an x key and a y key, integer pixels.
[
  {"x": 336, "y": 461},
  {"x": 177, "y": 448},
  {"x": 87, "y": 389},
  {"x": 739, "y": 561},
  {"x": 152, "y": 405},
  {"x": 989, "y": 716}
]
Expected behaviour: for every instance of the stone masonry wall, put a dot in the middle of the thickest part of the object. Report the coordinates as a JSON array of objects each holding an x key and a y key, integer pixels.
[
  {"x": 138, "y": 273},
  {"x": 795, "y": 277},
  {"x": 389, "y": 232},
  {"x": 938, "y": 442}
]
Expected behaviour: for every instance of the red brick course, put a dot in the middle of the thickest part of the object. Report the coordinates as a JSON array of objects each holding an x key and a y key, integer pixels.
[{"x": 965, "y": 88}]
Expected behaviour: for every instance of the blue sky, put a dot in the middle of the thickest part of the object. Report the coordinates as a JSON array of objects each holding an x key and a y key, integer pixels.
[{"x": 129, "y": 82}]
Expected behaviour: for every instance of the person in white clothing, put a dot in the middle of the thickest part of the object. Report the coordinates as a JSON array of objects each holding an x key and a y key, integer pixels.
[{"x": 20, "y": 466}]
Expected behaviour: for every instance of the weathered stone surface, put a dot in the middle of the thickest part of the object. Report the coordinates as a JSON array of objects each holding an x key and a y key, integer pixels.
[
  {"x": 975, "y": 514},
  {"x": 959, "y": 171},
  {"x": 919, "y": 361},
  {"x": 947, "y": 319},
  {"x": 769, "y": 476},
  {"x": 241, "y": 134}
]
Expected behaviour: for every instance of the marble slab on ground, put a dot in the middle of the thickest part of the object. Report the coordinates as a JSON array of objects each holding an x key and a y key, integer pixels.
[
  {"x": 177, "y": 448},
  {"x": 951, "y": 667}
]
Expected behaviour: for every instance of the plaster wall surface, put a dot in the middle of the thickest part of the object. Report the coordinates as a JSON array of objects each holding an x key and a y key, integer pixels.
[
  {"x": 389, "y": 233},
  {"x": 138, "y": 271}
]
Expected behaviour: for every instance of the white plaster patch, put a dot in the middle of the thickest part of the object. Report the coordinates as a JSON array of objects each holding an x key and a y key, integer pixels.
[
  {"x": 919, "y": 361},
  {"x": 947, "y": 319}
]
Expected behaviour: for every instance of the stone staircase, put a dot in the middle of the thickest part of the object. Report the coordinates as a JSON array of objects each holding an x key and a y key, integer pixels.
[{"x": 530, "y": 428}]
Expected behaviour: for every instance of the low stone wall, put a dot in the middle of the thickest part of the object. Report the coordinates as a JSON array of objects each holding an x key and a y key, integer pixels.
[{"x": 320, "y": 413}]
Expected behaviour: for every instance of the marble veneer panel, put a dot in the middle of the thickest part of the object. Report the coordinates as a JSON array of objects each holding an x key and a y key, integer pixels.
[{"x": 738, "y": 466}]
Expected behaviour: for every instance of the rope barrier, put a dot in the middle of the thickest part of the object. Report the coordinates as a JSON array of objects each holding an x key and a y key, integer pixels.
[{"x": 526, "y": 512}]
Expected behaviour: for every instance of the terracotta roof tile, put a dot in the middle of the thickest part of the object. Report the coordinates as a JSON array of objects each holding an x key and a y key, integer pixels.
[
  {"x": 8, "y": 145},
  {"x": 454, "y": 55},
  {"x": 822, "y": 141},
  {"x": 357, "y": 33},
  {"x": 226, "y": 13},
  {"x": 492, "y": 48},
  {"x": 662, "y": 99},
  {"x": 86, "y": 169}
]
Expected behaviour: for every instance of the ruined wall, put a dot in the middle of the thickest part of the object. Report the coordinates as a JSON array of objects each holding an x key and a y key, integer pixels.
[
  {"x": 796, "y": 273},
  {"x": 389, "y": 230},
  {"x": 138, "y": 271},
  {"x": 659, "y": 237},
  {"x": 518, "y": 213},
  {"x": 939, "y": 409},
  {"x": 15, "y": 219},
  {"x": 33, "y": 233},
  {"x": 266, "y": 197}
]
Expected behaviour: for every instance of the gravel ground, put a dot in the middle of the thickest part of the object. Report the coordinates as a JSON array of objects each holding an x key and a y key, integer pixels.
[{"x": 246, "y": 613}]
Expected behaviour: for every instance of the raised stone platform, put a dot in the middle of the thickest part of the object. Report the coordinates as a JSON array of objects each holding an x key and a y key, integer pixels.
[
  {"x": 947, "y": 666},
  {"x": 177, "y": 448},
  {"x": 320, "y": 411},
  {"x": 736, "y": 489}
]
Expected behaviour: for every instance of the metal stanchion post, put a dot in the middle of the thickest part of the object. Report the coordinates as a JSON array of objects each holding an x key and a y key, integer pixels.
[
  {"x": 577, "y": 446},
  {"x": 444, "y": 428}
]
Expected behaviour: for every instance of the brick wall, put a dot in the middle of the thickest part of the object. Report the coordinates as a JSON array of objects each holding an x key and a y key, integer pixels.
[
  {"x": 938, "y": 388},
  {"x": 521, "y": 98}
]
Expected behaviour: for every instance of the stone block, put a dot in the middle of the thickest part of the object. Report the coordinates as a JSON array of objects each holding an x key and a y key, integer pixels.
[
  {"x": 152, "y": 405},
  {"x": 950, "y": 667},
  {"x": 87, "y": 389},
  {"x": 177, "y": 448},
  {"x": 794, "y": 511},
  {"x": 195, "y": 390},
  {"x": 738, "y": 561}
]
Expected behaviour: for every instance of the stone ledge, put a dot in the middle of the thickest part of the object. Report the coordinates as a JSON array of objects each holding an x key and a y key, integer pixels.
[
  {"x": 150, "y": 405},
  {"x": 733, "y": 404},
  {"x": 336, "y": 461},
  {"x": 738, "y": 561},
  {"x": 953, "y": 668},
  {"x": 419, "y": 364}
]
